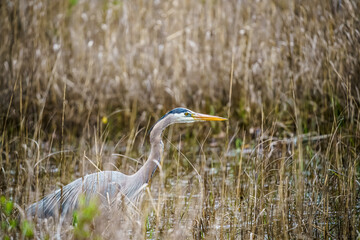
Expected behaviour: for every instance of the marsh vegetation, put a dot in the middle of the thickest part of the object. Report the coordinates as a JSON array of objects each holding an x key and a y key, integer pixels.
[{"x": 81, "y": 83}]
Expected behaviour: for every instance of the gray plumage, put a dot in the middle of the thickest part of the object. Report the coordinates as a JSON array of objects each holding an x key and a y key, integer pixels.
[{"x": 110, "y": 186}]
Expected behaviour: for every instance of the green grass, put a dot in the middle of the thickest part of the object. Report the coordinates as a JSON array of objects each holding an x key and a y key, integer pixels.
[{"x": 84, "y": 80}]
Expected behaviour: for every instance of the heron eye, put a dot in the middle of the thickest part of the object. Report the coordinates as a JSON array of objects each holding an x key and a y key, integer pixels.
[{"x": 186, "y": 114}]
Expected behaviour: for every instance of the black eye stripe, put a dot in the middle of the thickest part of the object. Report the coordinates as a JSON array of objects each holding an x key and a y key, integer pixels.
[{"x": 178, "y": 110}]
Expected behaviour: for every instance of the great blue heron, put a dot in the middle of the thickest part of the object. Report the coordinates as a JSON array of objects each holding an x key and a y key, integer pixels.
[{"x": 107, "y": 185}]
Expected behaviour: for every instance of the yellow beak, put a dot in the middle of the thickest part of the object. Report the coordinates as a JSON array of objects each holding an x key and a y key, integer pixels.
[{"x": 205, "y": 117}]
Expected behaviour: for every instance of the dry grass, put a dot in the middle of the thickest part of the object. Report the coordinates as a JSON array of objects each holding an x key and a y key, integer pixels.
[{"x": 83, "y": 80}]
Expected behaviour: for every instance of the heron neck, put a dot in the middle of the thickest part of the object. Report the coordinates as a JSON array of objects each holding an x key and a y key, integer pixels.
[{"x": 157, "y": 147}]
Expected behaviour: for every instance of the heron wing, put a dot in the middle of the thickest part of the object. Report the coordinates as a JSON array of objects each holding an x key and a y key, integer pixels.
[{"x": 106, "y": 185}]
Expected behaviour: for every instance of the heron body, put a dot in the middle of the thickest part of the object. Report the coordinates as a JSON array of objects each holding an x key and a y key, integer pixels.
[{"x": 109, "y": 186}]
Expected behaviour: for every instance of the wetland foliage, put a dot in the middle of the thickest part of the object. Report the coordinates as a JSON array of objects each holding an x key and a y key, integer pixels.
[{"x": 82, "y": 82}]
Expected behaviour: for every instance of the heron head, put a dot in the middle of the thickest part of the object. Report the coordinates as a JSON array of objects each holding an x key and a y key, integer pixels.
[{"x": 183, "y": 115}]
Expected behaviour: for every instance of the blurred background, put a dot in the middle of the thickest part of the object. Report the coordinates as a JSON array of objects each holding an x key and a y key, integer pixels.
[{"x": 84, "y": 80}]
